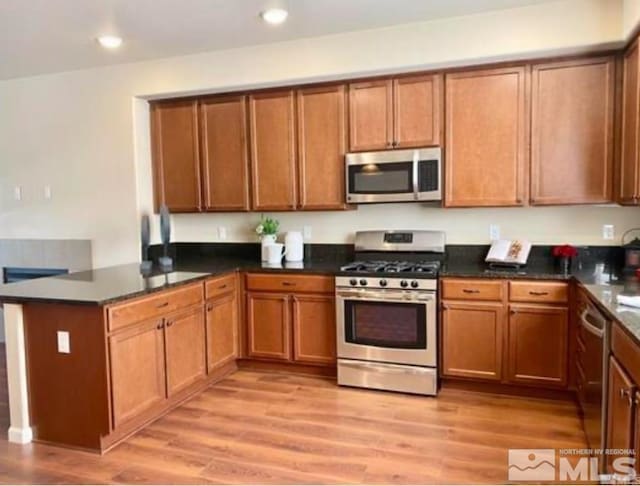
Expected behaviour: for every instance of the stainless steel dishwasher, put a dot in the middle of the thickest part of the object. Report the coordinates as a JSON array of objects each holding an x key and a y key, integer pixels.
[{"x": 593, "y": 372}]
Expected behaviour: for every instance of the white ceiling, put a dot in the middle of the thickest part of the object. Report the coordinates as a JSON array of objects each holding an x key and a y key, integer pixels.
[{"x": 43, "y": 36}]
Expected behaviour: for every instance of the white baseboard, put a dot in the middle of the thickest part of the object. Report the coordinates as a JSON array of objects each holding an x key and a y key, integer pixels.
[{"x": 20, "y": 436}]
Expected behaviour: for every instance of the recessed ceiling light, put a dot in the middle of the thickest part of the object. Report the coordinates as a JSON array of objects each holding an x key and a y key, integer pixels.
[
  {"x": 110, "y": 41},
  {"x": 274, "y": 15}
]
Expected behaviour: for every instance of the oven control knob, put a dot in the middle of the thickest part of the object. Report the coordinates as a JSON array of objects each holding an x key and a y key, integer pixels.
[
  {"x": 404, "y": 283},
  {"x": 414, "y": 284},
  {"x": 383, "y": 283},
  {"x": 363, "y": 282},
  {"x": 353, "y": 282}
]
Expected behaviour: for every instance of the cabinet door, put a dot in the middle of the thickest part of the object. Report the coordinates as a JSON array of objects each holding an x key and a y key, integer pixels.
[
  {"x": 137, "y": 363},
  {"x": 314, "y": 329},
  {"x": 487, "y": 119},
  {"x": 321, "y": 146},
  {"x": 225, "y": 154},
  {"x": 269, "y": 326},
  {"x": 472, "y": 340},
  {"x": 417, "y": 109},
  {"x": 176, "y": 163},
  {"x": 185, "y": 349},
  {"x": 630, "y": 125},
  {"x": 371, "y": 115},
  {"x": 572, "y": 113},
  {"x": 222, "y": 330},
  {"x": 620, "y": 410},
  {"x": 538, "y": 339},
  {"x": 273, "y": 151}
]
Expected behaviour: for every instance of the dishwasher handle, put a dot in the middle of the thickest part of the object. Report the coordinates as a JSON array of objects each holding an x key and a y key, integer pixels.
[{"x": 590, "y": 328}]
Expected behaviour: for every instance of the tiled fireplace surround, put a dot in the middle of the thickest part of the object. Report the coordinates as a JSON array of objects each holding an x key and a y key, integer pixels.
[{"x": 72, "y": 255}]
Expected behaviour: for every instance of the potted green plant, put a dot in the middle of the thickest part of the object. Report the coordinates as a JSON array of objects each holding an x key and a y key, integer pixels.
[{"x": 267, "y": 231}]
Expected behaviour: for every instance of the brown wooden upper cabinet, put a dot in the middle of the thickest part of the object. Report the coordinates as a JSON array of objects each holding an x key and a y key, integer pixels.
[
  {"x": 321, "y": 147},
  {"x": 395, "y": 113},
  {"x": 572, "y": 127},
  {"x": 225, "y": 154},
  {"x": 487, "y": 120},
  {"x": 273, "y": 150},
  {"x": 176, "y": 161},
  {"x": 629, "y": 171}
]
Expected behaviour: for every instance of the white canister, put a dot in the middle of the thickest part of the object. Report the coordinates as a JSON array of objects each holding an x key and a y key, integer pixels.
[
  {"x": 294, "y": 243},
  {"x": 274, "y": 253},
  {"x": 266, "y": 240}
]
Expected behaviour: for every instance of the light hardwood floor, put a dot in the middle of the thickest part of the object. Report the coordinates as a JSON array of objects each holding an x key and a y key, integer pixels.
[{"x": 258, "y": 428}]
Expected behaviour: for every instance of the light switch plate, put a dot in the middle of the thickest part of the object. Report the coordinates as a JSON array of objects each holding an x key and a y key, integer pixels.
[
  {"x": 494, "y": 232},
  {"x": 64, "y": 344},
  {"x": 608, "y": 232},
  {"x": 17, "y": 193},
  {"x": 306, "y": 233},
  {"x": 47, "y": 192},
  {"x": 222, "y": 233}
]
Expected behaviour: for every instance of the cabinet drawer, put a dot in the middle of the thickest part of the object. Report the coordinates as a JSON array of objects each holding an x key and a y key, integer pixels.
[
  {"x": 472, "y": 289},
  {"x": 290, "y": 283},
  {"x": 122, "y": 315},
  {"x": 548, "y": 292},
  {"x": 626, "y": 351},
  {"x": 220, "y": 286}
]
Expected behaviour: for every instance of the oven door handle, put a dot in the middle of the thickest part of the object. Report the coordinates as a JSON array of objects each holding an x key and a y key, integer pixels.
[
  {"x": 385, "y": 297},
  {"x": 590, "y": 328}
]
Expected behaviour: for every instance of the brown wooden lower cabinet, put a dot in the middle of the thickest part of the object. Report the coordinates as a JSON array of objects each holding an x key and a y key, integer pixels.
[
  {"x": 268, "y": 326},
  {"x": 222, "y": 330},
  {"x": 486, "y": 338},
  {"x": 297, "y": 326},
  {"x": 314, "y": 329},
  {"x": 185, "y": 349},
  {"x": 537, "y": 350},
  {"x": 472, "y": 340},
  {"x": 620, "y": 415},
  {"x": 137, "y": 362}
]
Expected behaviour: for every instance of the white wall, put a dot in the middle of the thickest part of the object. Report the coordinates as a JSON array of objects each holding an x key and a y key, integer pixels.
[
  {"x": 86, "y": 132},
  {"x": 630, "y": 16}
]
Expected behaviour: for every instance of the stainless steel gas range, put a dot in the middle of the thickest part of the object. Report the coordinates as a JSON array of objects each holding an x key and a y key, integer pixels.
[{"x": 386, "y": 310}]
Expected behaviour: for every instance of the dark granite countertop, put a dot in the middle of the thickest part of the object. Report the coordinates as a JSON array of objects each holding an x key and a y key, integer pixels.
[
  {"x": 112, "y": 284},
  {"x": 482, "y": 270}
]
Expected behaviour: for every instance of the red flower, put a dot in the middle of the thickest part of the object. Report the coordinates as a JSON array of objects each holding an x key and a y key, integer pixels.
[{"x": 566, "y": 251}]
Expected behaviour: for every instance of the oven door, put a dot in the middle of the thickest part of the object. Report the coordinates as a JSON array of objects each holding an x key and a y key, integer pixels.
[{"x": 389, "y": 326}]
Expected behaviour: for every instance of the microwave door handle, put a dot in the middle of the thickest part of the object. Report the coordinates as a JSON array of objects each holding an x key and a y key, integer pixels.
[{"x": 416, "y": 188}]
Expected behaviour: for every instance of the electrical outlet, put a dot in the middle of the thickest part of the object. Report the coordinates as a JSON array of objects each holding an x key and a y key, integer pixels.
[
  {"x": 608, "y": 232},
  {"x": 47, "y": 192},
  {"x": 17, "y": 193},
  {"x": 222, "y": 233},
  {"x": 494, "y": 232},
  {"x": 64, "y": 345},
  {"x": 306, "y": 231}
]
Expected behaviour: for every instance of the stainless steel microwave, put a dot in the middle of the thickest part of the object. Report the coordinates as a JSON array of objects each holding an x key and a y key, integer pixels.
[{"x": 394, "y": 176}]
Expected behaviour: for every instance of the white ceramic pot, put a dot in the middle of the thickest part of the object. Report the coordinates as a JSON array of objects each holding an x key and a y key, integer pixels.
[
  {"x": 275, "y": 252},
  {"x": 266, "y": 240}
]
